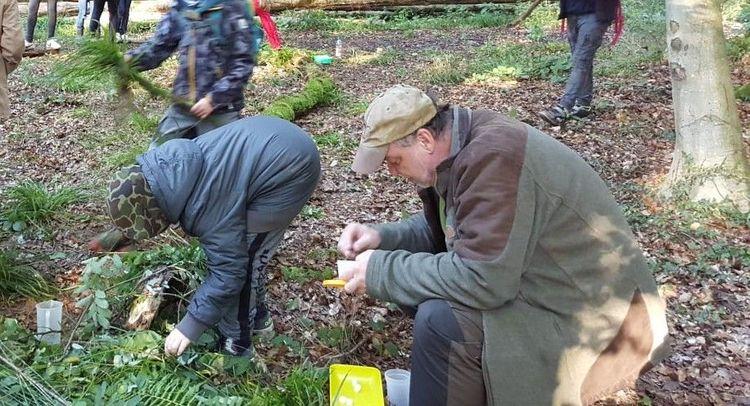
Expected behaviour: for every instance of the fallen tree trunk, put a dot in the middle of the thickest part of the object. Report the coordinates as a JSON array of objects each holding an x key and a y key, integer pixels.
[
  {"x": 355, "y": 5},
  {"x": 64, "y": 8}
]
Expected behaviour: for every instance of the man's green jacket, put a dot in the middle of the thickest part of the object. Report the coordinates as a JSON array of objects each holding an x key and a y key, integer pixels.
[{"x": 532, "y": 238}]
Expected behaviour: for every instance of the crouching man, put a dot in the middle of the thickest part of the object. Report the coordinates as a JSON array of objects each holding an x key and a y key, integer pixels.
[
  {"x": 528, "y": 286},
  {"x": 236, "y": 188}
]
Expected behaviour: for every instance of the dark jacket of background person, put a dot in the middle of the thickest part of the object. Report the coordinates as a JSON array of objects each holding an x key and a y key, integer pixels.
[
  {"x": 605, "y": 10},
  {"x": 243, "y": 178},
  {"x": 216, "y": 51},
  {"x": 11, "y": 49},
  {"x": 536, "y": 242}
]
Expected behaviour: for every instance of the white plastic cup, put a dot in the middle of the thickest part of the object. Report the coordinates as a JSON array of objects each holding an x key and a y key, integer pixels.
[
  {"x": 397, "y": 386},
  {"x": 342, "y": 265},
  {"x": 49, "y": 321}
]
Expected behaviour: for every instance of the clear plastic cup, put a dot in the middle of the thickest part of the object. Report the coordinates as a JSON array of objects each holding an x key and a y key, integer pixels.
[
  {"x": 342, "y": 265},
  {"x": 49, "y": 321},
  {"x": 397, "y": 386}
]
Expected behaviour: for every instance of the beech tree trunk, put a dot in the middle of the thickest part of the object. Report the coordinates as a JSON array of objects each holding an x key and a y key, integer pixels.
[
  {"x": 709, "y": 158},
  {"x": 353, "y": 5}
]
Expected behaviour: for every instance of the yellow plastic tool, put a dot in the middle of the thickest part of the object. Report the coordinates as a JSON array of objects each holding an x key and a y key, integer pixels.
[
  {"x": 334, "y": 283},
  {"x": 355, "y": 385}
]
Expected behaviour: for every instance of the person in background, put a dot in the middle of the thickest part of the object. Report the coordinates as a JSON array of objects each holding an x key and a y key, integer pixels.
[
  {"x": 236, "y": 189},
  {"x": 96, "y": 15},
  {"x": 528, "y": 285},
  {"x": 83, "y": 11},
  {"x": 11, "y": 49},
  {"x": 587, "y": 21},
  {"x": 52, "y": 43},
  {"x": 215, "y": 40},
  {"x": 123, "y": 18}
]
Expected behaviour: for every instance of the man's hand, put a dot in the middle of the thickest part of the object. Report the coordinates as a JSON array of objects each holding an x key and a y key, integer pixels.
[
  {"x": 176, "y": 343},
  {"x": 355, "y": 275},
  {"x": 203, "y": 108},
  {"x": 357, "y": 238}
]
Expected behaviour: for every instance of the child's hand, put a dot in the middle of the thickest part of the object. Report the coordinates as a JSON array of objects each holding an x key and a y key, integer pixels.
[
  {"x": 176, "y": 343},
  {"x": 203, "y": 108}
]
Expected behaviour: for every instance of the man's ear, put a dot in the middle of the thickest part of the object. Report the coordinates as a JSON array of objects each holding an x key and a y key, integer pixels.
[{"x": 426, "y": 140}]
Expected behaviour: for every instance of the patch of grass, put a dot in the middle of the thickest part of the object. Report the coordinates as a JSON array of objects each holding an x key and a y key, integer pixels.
[
  {"x": 335, "y": 337},
  {"x": 738, "y": 47},
  {"x": 334, "y": 140},
  {"x": 312, "y": 212},
  {"x": 357, "y": 108},
  {"x": 33, "y": 204},
  {"x": 126, "y": 157},
  {"x": 323, "y": 254},
  {"x": 403, "y": 20},
  {"x": 304, "y": 275},
  {"x": 285, "y": 59},
  {"x": 506, "y": 61},
  {"x": 142, "y": 27},
  {"x": 20, "y": 279},
  {"x": 446, "y": 70}
]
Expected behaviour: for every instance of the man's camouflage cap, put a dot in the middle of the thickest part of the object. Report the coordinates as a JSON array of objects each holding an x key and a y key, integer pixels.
[{"x": 133, "y": 207}]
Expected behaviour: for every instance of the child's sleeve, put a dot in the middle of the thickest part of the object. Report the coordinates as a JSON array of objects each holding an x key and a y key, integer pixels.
[
  {"x": 240, "y": 60},
  {"x": 164, "y": 42}
]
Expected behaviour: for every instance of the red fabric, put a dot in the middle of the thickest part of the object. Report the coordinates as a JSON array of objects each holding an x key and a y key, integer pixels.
[
  {"x": 619, "y": 24},
  {"x": 269, "y": 27}
]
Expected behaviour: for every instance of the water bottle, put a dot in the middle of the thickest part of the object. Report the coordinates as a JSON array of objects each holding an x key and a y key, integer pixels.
[{"x": 338, "y": 48}]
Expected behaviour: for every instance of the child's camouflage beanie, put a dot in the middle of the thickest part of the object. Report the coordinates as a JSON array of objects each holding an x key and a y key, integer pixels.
[{"x": 133, "y": 207}]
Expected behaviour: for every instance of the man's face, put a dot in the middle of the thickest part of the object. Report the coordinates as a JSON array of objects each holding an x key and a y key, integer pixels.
[{"x": 415, "y": 162}]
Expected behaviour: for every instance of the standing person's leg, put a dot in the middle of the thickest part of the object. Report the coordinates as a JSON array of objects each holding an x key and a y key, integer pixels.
[
  {"x": 581, "y": 83},
  {"x": 571, "y": 86},
  {"x": 31, "y": 22},
  {"x": 81, "y": 18},
  {"x": 446, "y": 357},
  {"x": 114, "y": 19},
  {"x": 52, "y": 25},
  {"x": 123, "y": 14},
  {"x": 236, "y": 327},
  {"x": 96, "y": 14}
]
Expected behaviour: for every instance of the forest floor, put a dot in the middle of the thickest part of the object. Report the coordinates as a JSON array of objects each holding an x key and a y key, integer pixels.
[{"x": 75, "y": 136}]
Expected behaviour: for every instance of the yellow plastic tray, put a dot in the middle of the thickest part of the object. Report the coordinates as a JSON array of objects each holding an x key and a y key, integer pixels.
[{"x": 354, "y": 385}]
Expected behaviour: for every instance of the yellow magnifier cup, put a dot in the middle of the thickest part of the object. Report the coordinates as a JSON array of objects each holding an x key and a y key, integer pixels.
[{"x": 334, "y": 283}]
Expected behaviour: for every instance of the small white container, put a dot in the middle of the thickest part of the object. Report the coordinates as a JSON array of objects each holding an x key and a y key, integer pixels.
[
  {"x": 49, "y": 321},
  {"x": 397, "y": 386},
  {"x": 344, "y": 265},
  {"x": 339, "y": 49}
]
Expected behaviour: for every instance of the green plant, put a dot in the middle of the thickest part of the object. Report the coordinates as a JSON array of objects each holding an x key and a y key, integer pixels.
[
  {"x": 20, "y": 279},
  {"x": 31, "y": 203},
  {"x": 317, "y": 91},
  {"x": 95, "y": 60},
  {"x": 446, "y": 70},
  {"x": 312, "y": 212},
  {"x": 108, "y": 284},
  {"x": 304, "y": 275}
]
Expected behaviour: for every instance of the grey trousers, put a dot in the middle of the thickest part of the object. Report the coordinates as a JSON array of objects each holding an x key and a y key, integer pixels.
[
  {"x": 237, "y": 322},
  {"x": 585, "y": 35},
  {"x": 446, "y": 356},
  {"x": 178, "y": 122},
  {"x": 31, "y": 19}
]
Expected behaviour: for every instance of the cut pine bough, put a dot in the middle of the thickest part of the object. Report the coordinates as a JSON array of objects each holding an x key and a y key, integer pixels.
[
  {"x": 96, "y": 59},
  {"x": 319, "y": 91}
]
